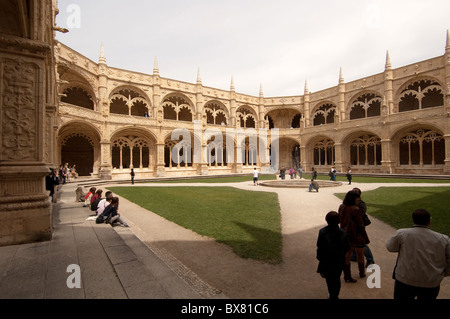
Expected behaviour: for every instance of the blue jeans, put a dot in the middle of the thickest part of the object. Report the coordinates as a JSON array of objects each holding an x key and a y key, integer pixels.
[{"x": 367, "y": 254}]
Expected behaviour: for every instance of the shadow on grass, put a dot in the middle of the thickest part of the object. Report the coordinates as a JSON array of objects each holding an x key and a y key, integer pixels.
[
  {"x": 265, "y": 245},
  {"x": 394, "y": 205}
]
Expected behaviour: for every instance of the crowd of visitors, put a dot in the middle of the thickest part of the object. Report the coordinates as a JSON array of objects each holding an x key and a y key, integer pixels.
[{"x": 423, "y": 255}]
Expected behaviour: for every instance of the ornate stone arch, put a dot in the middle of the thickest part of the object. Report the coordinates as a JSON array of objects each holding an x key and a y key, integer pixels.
[
  {"x": 129, "y": 100},
  {"x": 216, "y": 112},
  {"x": 76, "y": 88},
  {"x": 420, "y": 145},
  {"x": 364, "y": 104},
  {"x": 324, "y": 113},
  {"x": 177, "y": 106},
  {"x": 419, "y": 93},
  {"x": 246, "y": 116},
  {"x": 79, "y": 144},
  {"x": 133, "y": 148}
]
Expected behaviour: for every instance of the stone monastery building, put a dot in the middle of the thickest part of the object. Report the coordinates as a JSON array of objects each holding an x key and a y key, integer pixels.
[
  {"x": 111, "y": 120},
  {"x": 57, "y": 106}
]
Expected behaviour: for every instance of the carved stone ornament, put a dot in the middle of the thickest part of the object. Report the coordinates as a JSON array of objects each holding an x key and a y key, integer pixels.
[{"x": 19, "y": 114}]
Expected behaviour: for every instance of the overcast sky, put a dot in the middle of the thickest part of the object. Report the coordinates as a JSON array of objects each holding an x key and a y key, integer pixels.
[{"x": 278, "y": 44}]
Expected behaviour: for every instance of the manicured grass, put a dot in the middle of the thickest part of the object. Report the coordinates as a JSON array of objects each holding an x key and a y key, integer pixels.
[
  {"x": 368, "y": 179},
  {"x": 228, "y": 179},
  {"x": 394, "y": 205},
  {"x": 247, "y": 221}
]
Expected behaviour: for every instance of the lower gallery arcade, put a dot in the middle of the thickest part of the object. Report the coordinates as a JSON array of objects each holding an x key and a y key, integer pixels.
[{"x": 112, "y": 120}]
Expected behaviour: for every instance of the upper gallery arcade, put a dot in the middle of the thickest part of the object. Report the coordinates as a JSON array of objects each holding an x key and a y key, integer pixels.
[{"x": 111, "y": 120}]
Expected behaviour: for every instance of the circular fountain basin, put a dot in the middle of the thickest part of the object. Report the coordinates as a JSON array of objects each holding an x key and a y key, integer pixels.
[{"x": 298, "y": 183}]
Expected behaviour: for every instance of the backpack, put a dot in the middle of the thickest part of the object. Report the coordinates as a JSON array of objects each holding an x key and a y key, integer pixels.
[{"x": 94, "y": 204}]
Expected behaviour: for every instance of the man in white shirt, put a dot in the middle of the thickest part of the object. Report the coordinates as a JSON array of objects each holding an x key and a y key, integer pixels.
[
  {"x": 255, "y": 177},
  {"x": 423, "y": 259},
  {"x": 104, "y": 202}
]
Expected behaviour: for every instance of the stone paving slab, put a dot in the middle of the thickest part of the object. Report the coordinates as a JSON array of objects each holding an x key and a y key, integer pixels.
[{"x": 113, "y": 263}]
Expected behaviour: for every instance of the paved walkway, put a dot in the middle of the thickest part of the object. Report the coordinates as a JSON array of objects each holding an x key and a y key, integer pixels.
[
  {"x": 113, "y": 263},
  {"x": 158, "y": 259}
]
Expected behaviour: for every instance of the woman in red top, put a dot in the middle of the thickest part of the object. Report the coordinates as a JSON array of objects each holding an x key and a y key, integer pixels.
[{"x": 352, "y": 222}]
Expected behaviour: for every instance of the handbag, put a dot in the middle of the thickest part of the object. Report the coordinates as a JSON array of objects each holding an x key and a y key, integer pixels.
[{"x": 366, "y": 220}]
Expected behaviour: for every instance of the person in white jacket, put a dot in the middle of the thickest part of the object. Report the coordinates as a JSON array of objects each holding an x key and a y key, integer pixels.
[{"x": 423, "y": 259}]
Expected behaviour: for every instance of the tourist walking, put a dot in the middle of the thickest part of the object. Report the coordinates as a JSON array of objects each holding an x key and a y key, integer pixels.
[
  {"x": 314, "y": 173},
  {"x": 255, "y": 177},
  {"x": 349, "y": 176},
  {"x": 282, "y": 173},
  {"x": 352, "y": 222},
  {"x": 132, "y": 176},
  {"x": 423, "y": 259},
  {"x": 332, "y": 245},
  {"x": 332, "y": 174}
]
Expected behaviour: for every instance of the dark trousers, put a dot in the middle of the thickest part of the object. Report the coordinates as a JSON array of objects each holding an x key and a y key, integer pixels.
[
  {"x": 403, "y": 292},
  {"x": 333, "y": 281}
]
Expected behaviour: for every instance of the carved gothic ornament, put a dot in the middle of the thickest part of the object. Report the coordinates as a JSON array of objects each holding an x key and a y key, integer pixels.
[
  {"x": 20, "y": 113},
  {"x": 22, "y": 44}
]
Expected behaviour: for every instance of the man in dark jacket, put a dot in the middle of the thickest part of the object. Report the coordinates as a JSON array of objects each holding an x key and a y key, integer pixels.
[{"x": 332, "y": 244}]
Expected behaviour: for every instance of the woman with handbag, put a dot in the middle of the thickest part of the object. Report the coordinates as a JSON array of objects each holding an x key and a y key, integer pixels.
[{"x": 351, "y": 221}]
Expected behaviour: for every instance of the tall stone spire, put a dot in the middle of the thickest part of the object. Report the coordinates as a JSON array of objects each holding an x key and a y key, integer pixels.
[
  {"x": 306, "y": 87},
  {"x": 341, "y": 76},
  {"x": 155, "y": 67},
  {"x": 447, "y": 44},
  {"x": 232, "y": 84},
  {"x": 102, "y": 58},
  {"x": 261, "y": 93},
  {"x": 388, "y": 65}
]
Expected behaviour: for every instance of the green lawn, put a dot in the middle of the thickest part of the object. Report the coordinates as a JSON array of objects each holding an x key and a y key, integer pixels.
[
  {"x": 247, "y": 221},
  {"x": 394, "y": 205},
  {"x": 228, "y": 179}
]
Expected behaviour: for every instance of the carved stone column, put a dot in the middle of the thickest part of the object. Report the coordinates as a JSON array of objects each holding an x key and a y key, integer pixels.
[{"x": 27, "y": 107}]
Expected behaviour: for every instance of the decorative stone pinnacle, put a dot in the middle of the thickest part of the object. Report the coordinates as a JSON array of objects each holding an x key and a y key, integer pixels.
[
  {"x": 261, "y": 94},
  {"x": 102, "y": 58},
  {"x": 388, "y": 61},
  {"x": 447, "y": 45},
  {"x": 306, "y": 87},
  {"x": 232, "y": 84},
  {"x": 341, "y": 76}
]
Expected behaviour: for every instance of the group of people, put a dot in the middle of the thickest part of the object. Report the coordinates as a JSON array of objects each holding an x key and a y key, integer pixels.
[
  {"x": 57, "y": 177},
  {"x": 67, "y": 172},
  {"x": 106, "y": 208},
  {"x": 292, "y": 172},
  {"x": 423, "y": 255}
]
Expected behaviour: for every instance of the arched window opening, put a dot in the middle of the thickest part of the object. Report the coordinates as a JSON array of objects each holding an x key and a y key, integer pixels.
[
  {"x": 324, "y": 115},
  {"x": 420, "y": 95},
  {"x": 177, "y": 108},
  {"x": 324, "y": 152},
  {"x": 422, "y": 147},
  {"x": 79, "y": 97},
  {"x": 296, "y": 120},
  {"x": 365, "y": 150},
  {"x": 130, "y": 152},
  {"x": 128, "y": 102},
  {"x": 366, "y": 105},
  {"x": 182, "y": 150}
]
